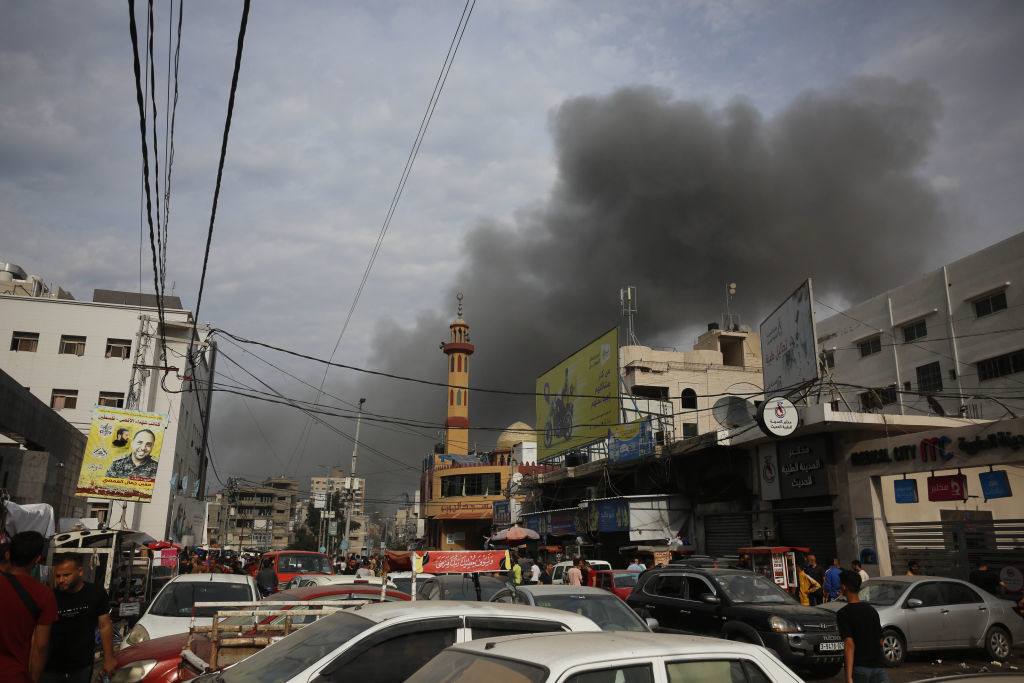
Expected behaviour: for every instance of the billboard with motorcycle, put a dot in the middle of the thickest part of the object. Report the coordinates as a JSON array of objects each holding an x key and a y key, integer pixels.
[{"x": 578, "y": 399}]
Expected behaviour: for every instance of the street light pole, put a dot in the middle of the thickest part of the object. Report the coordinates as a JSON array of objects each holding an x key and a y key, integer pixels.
[{"x": 352, "y": 475}]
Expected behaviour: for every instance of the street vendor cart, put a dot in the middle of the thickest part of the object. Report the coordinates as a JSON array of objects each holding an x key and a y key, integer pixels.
[{"x": 777, "y": 563}]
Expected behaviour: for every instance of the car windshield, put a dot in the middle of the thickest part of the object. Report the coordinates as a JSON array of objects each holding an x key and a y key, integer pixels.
[
  {"x": 607, "y": 611},
  {"x": 452, "y": 666},
  {"x": 750, "y": 588},
  {"x": 626, "y": 580},
  {"x": 288, "y": 657},
  {"x": 177, "y": 599},
  {"x": 303, "y": 563},
  {"x": 882, "y": 592}
]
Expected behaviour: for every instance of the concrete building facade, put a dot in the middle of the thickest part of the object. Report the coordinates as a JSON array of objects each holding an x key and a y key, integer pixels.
[
  {"x": 259, "y": 517},
  {"x": 73, "y": 355}
]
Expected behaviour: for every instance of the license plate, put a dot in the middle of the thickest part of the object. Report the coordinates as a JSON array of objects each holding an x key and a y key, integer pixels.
[{"x": 831, "y": 647}]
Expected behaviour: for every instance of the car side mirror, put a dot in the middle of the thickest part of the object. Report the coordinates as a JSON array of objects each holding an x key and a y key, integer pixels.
[
  {"x": 711, "y": 599},
  {"x": 652, "y": 623},
  {"x": 913, "y": 603}
]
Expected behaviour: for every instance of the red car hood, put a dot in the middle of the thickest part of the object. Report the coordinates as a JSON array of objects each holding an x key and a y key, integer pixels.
[{"x": 167, "y": 652}]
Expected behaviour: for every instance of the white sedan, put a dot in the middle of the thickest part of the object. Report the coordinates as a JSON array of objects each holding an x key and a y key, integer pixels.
[
  {"x": 606, "y": 657},
  {"x": 170, "y": 612}
]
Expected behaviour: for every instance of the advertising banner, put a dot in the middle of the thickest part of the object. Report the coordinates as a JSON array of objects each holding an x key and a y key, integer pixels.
[
  {"x": 995, "y": 484},
  {"x": 803, "y": 467},
  {"x": 630, "y": 441},
  {"x": 947, "y": 487},
  {"x": 501, "y": 512},
  {"x": 609, "y": 515},
  {"x": 445, "y": 561},
  {"x": 905, "y": 490},
  {"x": 578, "y": 399},
  {"x": 789, "y": 353},
  {"x": 188, "y": 521},
  {"x": 121, "y": 455}
]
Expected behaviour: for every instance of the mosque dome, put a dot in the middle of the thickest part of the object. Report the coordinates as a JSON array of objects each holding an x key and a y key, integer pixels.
[{"x": 517, "y": 432}]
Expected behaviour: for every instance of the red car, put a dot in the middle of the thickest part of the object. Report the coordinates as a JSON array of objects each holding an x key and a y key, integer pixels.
[
  {"x": 160, "y": 660},
  {"x": 618, "y": 581}
]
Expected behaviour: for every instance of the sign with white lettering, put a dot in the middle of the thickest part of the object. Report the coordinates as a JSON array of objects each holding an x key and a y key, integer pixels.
[
  {"x": 778, "y": 417},
  {"x": 802, "y": 467},
  {"x": 905, "y": 490},
  {"x": 789, "y": 354},
  {"x": 995, "y": 484},
  {"x": 947, "y": 487}
]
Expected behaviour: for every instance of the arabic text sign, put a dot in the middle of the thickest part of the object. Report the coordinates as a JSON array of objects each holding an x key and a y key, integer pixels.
[
  {"x": 947, "y": 487},
  {"x": 122, "y": 455},
  {"x": 609, "y": 515},
  {"x": 905, "y": 490},
  {"x": 442, "y": 561},
  {"x": 995, "y": 484},
  {"x": 578, "y": 399},
  {"x": 788, "y": 350},
  {"x": 803, "y": 467},
  {"x": 630, "y": 441}
]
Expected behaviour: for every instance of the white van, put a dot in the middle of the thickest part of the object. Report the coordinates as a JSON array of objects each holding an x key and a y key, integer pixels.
[{"x": 558, "y": 573}]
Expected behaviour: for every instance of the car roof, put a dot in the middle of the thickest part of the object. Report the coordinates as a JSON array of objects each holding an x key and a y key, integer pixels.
[
  {"x": 912, "y": 579},
  {"x": 212, "y": 578},
  {"x": 459, "y": 578},
  {"x": 311, "y": 592},
  {"x": 544, "y": 589},
  {"x": 618, "y": 571},
  {"x": 379, "y": 612},
  {"x": 564, "y": 650},
  {"x": 565, "y": 562},
  {"x": 672, "y": 568}
]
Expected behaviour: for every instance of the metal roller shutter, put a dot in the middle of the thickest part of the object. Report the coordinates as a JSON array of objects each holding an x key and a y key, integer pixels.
[
  {"x": 724, "y": 534},
  {"x": 813, "y": 529}
]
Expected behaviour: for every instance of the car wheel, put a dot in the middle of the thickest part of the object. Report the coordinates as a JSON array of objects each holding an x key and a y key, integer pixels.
[
  {"x": 997, "y": 643},
  {"x": 894, "y": 647}
]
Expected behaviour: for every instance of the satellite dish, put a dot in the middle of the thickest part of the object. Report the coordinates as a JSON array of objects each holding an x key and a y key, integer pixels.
[{"x": 733, "y": 411}]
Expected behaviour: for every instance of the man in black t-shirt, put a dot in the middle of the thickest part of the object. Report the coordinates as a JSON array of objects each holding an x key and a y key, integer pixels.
[
  {"x": 82, "y": 608},
  {"x": 862, "y": 634},
  {"x": 986, "y": 579}
]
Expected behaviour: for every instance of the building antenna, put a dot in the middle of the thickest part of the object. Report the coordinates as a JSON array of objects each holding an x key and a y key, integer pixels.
[
  {"x": 730, "y": 321},
  {"x": 627, "y": 307}
]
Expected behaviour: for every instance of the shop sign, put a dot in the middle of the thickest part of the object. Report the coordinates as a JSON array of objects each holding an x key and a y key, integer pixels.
[
  {"x": 631, "y": 441},
  {"x": 947, "y": 487},
  {"x": 1012, "y": 578},
  {"x": 779, "y": 417},
  {"x": 533, "y": 523},
  {"x": 609, "y": 515},
  {"x": 995, "y": 484},
  {"x": 802, "y": 468},
  {"x": 768, "y": 470},
  {"x": 866, "y": 539},
  {"x": 905, "y": 490},
  {"x": 501, "y": 512},
  {"x": 937, "y": 449}
]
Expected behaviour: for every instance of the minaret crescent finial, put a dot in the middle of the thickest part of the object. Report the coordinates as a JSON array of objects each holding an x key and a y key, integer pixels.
[{"x": 459, "y": 298}]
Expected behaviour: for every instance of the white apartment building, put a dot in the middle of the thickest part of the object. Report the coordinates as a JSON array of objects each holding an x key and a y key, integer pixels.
[
  {"x": 951, "y": 341},
  {"x": 337, "y": 481},
  {"x": 74, "y": 355}
]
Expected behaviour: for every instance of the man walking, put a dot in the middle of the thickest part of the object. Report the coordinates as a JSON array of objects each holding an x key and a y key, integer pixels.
[
  {"x": 860, "y": 570},
  {"x": 636, "y": 566},
  {"x": 82, "y": 608},
  {"x": 574, "y": 577},
  {"x": 266, "y": 577},
  {"x": 832, "y": 580},
  {"x": 861, "y": 631},
  {"x": 816, "y": 572},
  {"x": 534, "y": 573},
  {"x": 29, "y": 609}
]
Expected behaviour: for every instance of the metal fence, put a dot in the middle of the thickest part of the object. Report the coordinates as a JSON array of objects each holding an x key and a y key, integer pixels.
[{"x": 954, "y": 548}]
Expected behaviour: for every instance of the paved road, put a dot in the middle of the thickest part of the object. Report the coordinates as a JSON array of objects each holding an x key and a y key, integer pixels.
[{"x": 924, "y": 666}]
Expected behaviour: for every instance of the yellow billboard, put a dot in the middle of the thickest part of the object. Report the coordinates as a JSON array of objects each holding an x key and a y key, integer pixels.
[
  {"x": 122, "y": 455},
  {"x": 578, "y": 399}
]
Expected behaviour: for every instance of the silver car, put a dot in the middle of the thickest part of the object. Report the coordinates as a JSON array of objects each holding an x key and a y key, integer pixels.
[{"x": 936, "y": 613}]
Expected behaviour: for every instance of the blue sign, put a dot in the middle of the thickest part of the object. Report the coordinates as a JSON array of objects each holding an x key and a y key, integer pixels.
[
  {"x": 533, "y": 522},
  {"x": 630, "y": 441},
  {"x": 500, "y": 512},
  {"x": 906, "y": 490},
  {"x": 609, "y": 515},
  {"x": 995, "y": 484}
]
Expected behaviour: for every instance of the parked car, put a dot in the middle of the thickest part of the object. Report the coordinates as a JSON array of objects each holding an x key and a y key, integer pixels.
[
  {"x": 458, "y": 587},
  {"x": 159, "y": 660},
  {"x": 600, "y": 657},
  {"x": 936, "y": 613},
  {"x": 171, "y": 610},
  {"x": 403, "y": 580},
  {"x": 742, "y": 606},
  {"x": 618, "y": 581},
  {"x": 386, "y": 643},
  {"x": 290, "y": 563},
  {"x": 306, "y": 580},
  {"x": 559, "y": 570},
  {"x": 607, "y": 611}
]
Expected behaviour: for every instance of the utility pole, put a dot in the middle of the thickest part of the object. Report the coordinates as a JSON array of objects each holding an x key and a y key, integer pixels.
[{"x": 352, "y": 475}]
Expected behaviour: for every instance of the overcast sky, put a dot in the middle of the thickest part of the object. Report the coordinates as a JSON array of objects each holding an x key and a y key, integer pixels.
[{"x": 577, "y": 147}]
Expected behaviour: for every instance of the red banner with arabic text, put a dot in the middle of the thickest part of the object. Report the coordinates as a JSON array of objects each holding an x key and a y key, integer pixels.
[{"x": 445, "y": 561}]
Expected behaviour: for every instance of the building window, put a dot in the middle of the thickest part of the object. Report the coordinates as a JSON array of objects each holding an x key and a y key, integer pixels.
[
  {"x": 689, "y": 430},
  {"x": 471, "y": 485},
  {"x": 458, "y": 398},
  {"x": 111, "y": 399},
  {"x": 883, "y": 396},
  {"x": 451, "y": 397},
  {"x": 990, "y": 304},
  {"x": 914, "y": 331},
  {"x": 870, "y": 346},
  {"x": 118, "y": 348},
  {"x": 72, "y": 345},
  {"x": 452, "y": 359},
  {"x": 63, "y": 398},
  {"x": 929, "y": 378},
  {"x": 829, "y": 358},
  {"x": 688, "y": 399},
  {"x": 24, "y": 341},
  {"x": 1006, "y": 364},
  {"x": 459, "y": 364}
]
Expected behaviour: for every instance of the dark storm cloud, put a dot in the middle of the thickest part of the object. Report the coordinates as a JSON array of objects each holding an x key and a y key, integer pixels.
[{"x": 677, "y": 198}]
